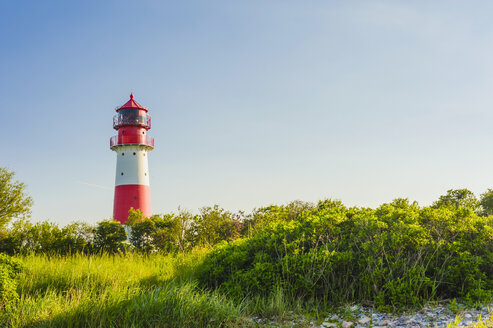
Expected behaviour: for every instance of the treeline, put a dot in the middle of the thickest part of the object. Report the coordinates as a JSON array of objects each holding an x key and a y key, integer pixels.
[
  {"x": 177, "y": 232},
  {"x": 168, "y": 233}
]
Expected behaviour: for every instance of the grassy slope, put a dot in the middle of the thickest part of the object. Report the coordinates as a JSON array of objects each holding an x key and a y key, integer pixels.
[
  {"x": 131, "y": 291},
  {"x": 108, "y": 291}
]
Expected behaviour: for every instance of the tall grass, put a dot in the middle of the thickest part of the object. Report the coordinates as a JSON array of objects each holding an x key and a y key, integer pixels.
[
  {"x": 138, "y": 291},
  {"x": 118, "y": 291}
]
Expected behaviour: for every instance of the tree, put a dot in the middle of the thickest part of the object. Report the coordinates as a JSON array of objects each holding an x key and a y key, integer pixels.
[
  {"x": 43, "y": 237},
  {"x": 16, "y": 238},
  {"x": 458, "y": 198},
  {"x": 110, "y": 236},
  {"x": 262, "y": 217},
  {"x": 134, "y": 216},
  {"x": 14, "y": 203},
  {"x": 486, "y": 201},
  {"x": 141, "y": 230},
  {"x": 77, "y": 237},
  {"x": 142, "y": 235},
  {"x": 213, "y": 225},
  {"x": 47, "y": 238},
  {"x": 184, "y": 221},
  {"x": 159, "y": 232},
  {"x": 168, "y": 235}
]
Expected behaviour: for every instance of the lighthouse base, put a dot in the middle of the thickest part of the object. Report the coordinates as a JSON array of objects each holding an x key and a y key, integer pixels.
[{"x": 127, "y": 196}]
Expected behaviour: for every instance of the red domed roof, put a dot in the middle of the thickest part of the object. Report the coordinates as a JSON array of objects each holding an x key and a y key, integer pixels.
[{"x": 131, "y": 104}]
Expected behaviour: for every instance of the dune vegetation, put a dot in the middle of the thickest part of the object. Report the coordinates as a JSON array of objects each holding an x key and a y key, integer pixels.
[
  {"x": 129, "y": 290},
  {"x": 396, "y": 257},
  {"x": 218, "y": 268}
]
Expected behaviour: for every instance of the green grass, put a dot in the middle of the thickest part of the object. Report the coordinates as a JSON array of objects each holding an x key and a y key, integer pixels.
[
  {"x": 482, "y": 323},
  {"x": 139, "y": 291},
  {"x": 120, "y": 291}
]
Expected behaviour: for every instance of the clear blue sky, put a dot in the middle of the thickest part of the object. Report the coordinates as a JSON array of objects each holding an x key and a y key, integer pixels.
[{"x": 253, "y": 102}]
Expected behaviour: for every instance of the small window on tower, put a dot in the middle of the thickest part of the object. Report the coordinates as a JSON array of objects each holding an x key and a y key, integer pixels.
[
  {"x": 145, "y": 174},
  {"x": 123, "y": 154},
  {"x": 122, "y": 173},
  {"x": 123, "y": 131},
  {"x": 135, "y": 198},
  {"x": 134, "y": 153}
]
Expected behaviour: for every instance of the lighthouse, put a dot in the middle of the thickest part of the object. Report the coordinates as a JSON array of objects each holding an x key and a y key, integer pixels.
[{"x": 131, "y": 146}]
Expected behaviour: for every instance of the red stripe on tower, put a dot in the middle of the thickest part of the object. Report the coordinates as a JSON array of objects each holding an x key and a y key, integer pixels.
[{"x": 132, "y": 171}]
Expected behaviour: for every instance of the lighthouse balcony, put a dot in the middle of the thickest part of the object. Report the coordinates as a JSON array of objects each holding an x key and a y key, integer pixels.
[
  {"x": 143, "y": 140},
  {"x": 124, "y": 119}
]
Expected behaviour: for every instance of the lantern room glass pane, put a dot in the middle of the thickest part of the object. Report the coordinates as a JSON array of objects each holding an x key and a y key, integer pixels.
[
  {"x": 129, "y": 116},
  {"x": 132, "y": 117}
]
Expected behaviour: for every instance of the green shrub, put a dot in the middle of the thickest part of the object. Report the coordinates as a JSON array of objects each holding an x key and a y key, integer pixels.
[
  {"x": 9, "y": 272},
  {"x": 110, "y": 236},
  {"x": 157, "y": 233},
  {"x": 212, "y": 226},
  {"x": 398, "y": 255}
]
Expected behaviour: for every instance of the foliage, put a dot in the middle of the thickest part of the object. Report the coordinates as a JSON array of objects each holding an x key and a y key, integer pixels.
[
  {"x": 178, "y": 232},
  {"x": 168, "y": 235},
  {"x": 486, "y": 200},
  {"x": 15, "y": 239},
  {"x": 290, "y": 257},
  {"x": 262, "y": 217},
  {"x": 212, "y": 226},
  {"x": 110, "y": 236},
  {"x": 9, "y": 272},
  {"x": 459, "y": 198},
  {"x": 165, "y": 232},
  {"x": 156, "y": 233},
  {"x": 13, "y": 200},
  {"x": 398, "y": 255},
  {"x": 46, "y": 237}
]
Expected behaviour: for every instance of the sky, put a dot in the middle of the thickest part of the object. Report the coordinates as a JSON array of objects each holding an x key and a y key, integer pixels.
[{"x": 252, "y": 102}]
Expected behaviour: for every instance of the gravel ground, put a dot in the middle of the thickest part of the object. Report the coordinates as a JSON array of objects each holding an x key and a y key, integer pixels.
[{"x": 358, "y": 317}]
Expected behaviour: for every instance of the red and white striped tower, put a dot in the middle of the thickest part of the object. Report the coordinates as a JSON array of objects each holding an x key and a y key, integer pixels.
[{"x": 132, "y": 172}]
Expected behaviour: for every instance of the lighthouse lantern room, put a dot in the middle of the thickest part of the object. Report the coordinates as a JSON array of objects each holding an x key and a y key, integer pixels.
[{"x": 131, "y": 145}]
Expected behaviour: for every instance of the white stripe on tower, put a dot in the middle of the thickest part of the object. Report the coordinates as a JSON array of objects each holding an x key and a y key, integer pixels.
[{"x": 132, "y": 166}]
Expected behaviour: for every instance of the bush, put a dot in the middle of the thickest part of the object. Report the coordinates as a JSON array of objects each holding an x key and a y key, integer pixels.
[
  {"x": 157, "y": 233},
  {"x": 9, "y": 272},
  {"x": 262, "y": 217},
  {"x": 110, "y": 236},
  {"x": 397, "y": 256},
  {"x": 211, "y": 226}
]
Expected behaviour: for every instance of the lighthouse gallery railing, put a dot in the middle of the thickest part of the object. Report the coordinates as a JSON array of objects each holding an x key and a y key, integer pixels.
[{"x": 131, "y": 140}]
